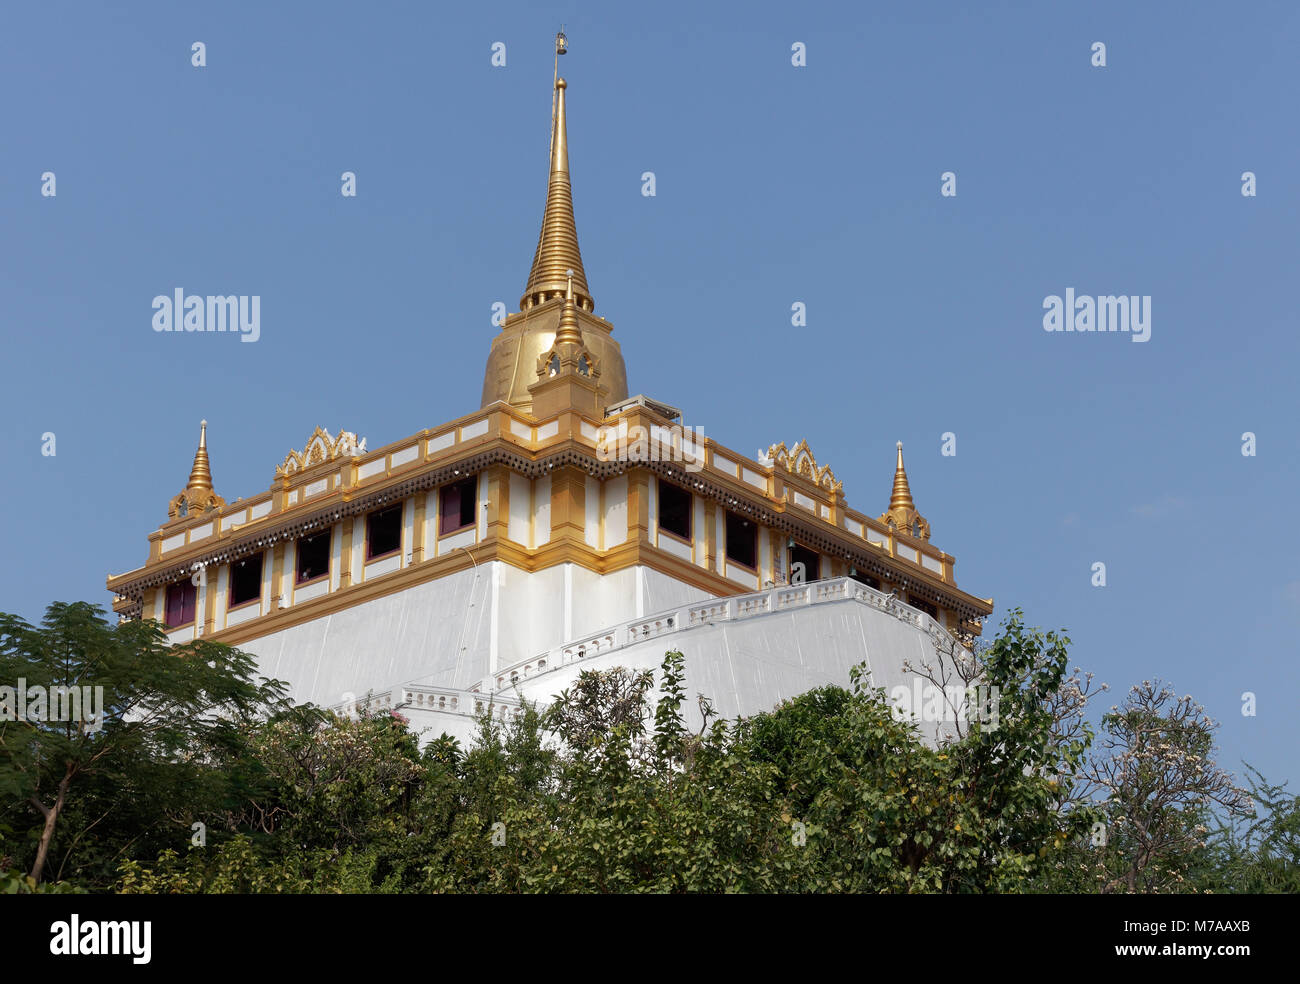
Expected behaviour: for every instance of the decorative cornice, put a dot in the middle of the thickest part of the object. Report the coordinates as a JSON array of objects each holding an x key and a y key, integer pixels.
[
  {"x": 346, "y": 503},
  {"x": 320, "y": 448},
  {"x": 799, "y": 461}
]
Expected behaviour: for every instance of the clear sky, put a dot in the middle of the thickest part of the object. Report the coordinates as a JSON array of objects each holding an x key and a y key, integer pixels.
[{"x": 775, "y": 184}]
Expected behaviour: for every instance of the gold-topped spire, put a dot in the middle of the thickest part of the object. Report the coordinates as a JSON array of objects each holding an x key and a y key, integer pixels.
[
  {"x": 902, "y": 496},
  {"x": 569, "y": 331},
  {"x": 554, "y": 316},
  {"x": 198, "y": 495},
  {"x": 557, "y": 245},
  {"x": 201, "y": 473},
  {"x": 901, "y": 514}
]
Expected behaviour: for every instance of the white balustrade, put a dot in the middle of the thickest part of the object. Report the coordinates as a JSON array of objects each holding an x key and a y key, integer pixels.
[{"x": 717, "y": 610}]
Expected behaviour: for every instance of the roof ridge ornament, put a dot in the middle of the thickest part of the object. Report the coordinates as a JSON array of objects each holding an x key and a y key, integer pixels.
[
  {"x": 320, "y": 447},
  {"x": 902, "y": 513},
  {"x": 198, "y": 495},
  {"x": 799, "y": 461}
]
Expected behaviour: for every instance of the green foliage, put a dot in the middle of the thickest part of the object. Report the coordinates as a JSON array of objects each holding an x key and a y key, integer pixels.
[
  {"x": 608, "y": 789},
  {"x": 238, "y": 867},
  {"x": 172, "y": 717},
  {"x": 888, "y": 812},
  {"x": 625, "y": 807},
  {"x": 13, "y": 882},
  {"x": 1257, "y": 852}
]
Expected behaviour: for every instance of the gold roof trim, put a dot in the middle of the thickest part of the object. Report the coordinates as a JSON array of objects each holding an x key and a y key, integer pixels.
[
  {"x": 320, "y": 447},
  {"x": 799, "y": 461}
]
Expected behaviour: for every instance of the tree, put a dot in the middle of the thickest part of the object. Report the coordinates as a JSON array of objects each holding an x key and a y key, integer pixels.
[
  {"x": 1157, "y": 782},
  {"x": 167, "y": 713},
  {"x": 631, "y": 800},
  {"x": 888, "y": 812},
  {"x": 1258, "y": 852}
]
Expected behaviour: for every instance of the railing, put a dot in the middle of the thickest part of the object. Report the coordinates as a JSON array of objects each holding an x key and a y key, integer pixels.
[
  {"x": 734, "y": 608},
  {"x": 443, "y": 700}
]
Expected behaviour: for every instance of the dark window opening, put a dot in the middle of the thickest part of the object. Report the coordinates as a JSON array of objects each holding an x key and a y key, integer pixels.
[
  {"x": 811, "y": 562},
  {"x": 245, "y": 580},
  {"x": 742, "y": 541},
  {"x": 179, "y": 607},
  {"x": 313, "y": 556},
  {"x": 866, "y": 579},
  {"x": 675, "y": 510},
  {"x": 456, "y": 505},
  {"x": 384, "y": 531},
  {"x": 923, "y": 605}
]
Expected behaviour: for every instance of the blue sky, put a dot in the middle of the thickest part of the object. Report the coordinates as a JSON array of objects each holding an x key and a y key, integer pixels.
[{"x": 775, "y": 184}]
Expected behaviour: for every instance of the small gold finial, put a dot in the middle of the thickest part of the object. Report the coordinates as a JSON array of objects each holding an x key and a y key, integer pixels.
[
  {"x": 902, "y": 514},
  {"x": 902, "y": 495},
  {"x": 198, "y": 495},
  {"x": 569, "y": 330},
  {"x": 201, "y": 473}
]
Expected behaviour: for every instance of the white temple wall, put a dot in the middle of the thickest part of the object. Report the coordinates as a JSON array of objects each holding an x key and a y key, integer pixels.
[
  {"x": 458, "y": 629},
  {"x": 436, "y": 633},
  {"x": 750, "y": 666}
]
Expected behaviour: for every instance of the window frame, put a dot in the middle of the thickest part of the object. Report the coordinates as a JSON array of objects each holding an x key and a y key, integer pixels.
[
  {"x": 690, "y": 512},
  {"x": 231, "y": 604},
  {"x": 727, "y": 546},
  {"x": 193, "y": 602},
  {"x": 816, "y": 571},
  {"x": 400, "y": 509},
  {"x": 298, "y": 580},
  {"x": 459, "y": 485}
]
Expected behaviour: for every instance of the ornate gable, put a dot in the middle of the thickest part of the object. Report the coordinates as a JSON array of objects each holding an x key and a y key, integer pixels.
[
  {"x": 320, "y": 448},
  {"x": 799, "y": 461}
]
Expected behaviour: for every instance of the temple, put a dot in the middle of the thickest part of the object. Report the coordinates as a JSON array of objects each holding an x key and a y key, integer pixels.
[{"x": 490, "y": 558}]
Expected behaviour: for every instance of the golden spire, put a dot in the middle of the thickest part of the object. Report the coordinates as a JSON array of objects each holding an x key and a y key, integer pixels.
[
  {"x": 569, "y": 330},
  {"x": 557, "y": 291},
  {"x": 198, "y": 495},
  {"x": 902, "y": 497},
  {"x": 901, "y": 514},
  {"x": 201, "y": 474},
  {"x": 557, "y": 245}
]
